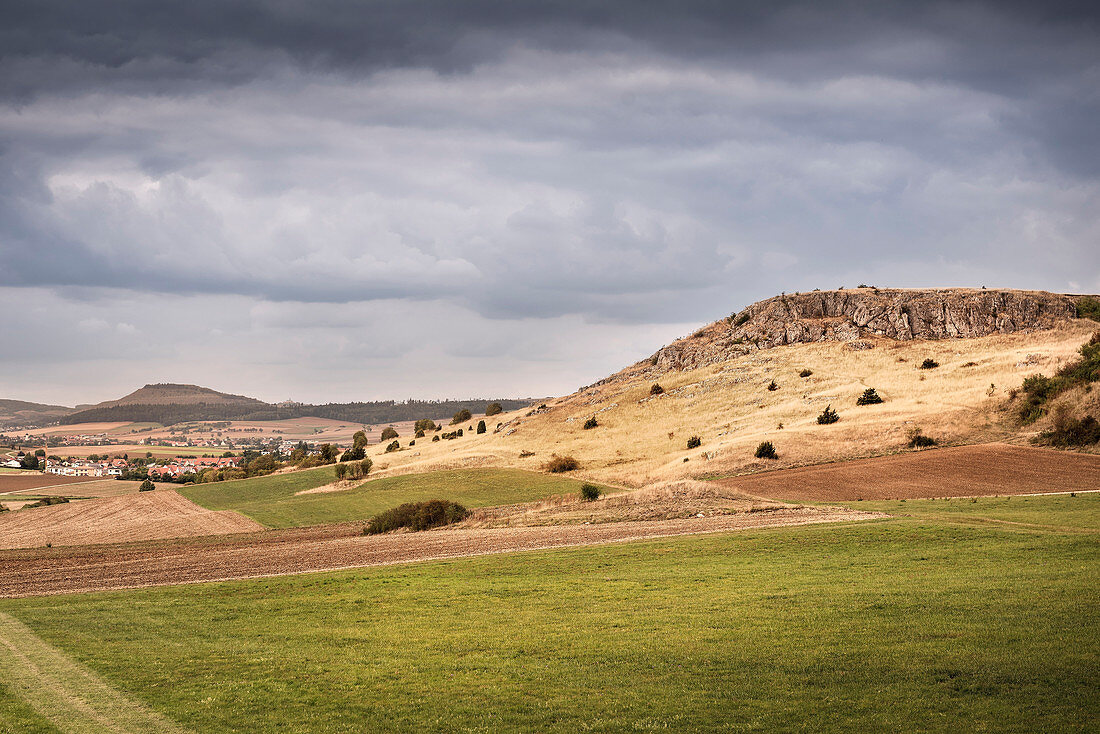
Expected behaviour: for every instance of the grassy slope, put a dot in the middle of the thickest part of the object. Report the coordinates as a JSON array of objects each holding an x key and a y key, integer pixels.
[
  {"x": 272, "y": 500},
  {"x": 917, "y": 623},
  {"x": 729, "y": 407}
]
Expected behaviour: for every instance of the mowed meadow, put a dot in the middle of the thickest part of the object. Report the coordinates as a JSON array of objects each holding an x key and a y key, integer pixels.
[
  {"x": 960, "y": 615},
  {"x": 277, "y": 500}
]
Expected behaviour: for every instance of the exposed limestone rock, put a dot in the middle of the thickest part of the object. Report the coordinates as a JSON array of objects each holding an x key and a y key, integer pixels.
[{"x": 852, "y": 315}]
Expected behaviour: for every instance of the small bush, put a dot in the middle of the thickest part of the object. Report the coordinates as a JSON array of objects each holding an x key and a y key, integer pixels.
[
  {"x": 590, "y": 423},
  {"x": 147, "y": 486},
  {"x": 354, "y": 454},
  {"x": 341, "y": 471},
  {"x": 435, "y": 437},
  {"x": 656, "y": 389},
  {"x": 47, "y": 501},
  {"x": 493, "y": 409},
  {"x": 424, "y": 425},
  {"x": 772, "y": 386},
  {"x": 694, "y": 442},
  {"x": 742, "y": 319},
  {"x": 389, "y": 432},
  {"x": 1088, "y": 308},
  {"x": 805, "y": 373},
  {"x": 417, "y": 516},
  {"x": 590, "y": 492},
  {"x": 460, "y": 417},
  {"x": 526, "y": 454},
  {"x": 481, "y": 427},
  {"x": 1070, "y": 432},
  {"x": 412, "y": 443},
  {"x": 560, "y": 464},
  {"x": 918, "y": 440},
  {"x": 459, "y": 433},
  {"x": 418, "y": 434},
  {"x": 394, "y": 446},
  {"x": 766, "y": 451},
  {"x": 869, "y": 397},
  {"x": 929, "y": 364},
  {"x": 828, "y": 416}
]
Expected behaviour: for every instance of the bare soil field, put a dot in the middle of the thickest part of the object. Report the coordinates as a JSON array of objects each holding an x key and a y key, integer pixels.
[
  {"x": 960, "y": 471},
  {"x": 145, "y": 516},
  {"x": 43, "y": 571},
  {"x": 35, "y": 481}
]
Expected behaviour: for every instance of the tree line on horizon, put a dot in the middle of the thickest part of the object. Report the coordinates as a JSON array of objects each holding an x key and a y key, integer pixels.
[{"x": 388, "y": 411}]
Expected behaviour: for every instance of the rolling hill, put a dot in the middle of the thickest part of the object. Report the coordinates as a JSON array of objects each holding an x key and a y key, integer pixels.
[
  {"x": 767, "y": 373},
  {"x": 23, "y": 413}
]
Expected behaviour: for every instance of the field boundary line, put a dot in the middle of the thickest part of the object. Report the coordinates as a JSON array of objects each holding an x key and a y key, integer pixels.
[{"x": 66, "y": 693}]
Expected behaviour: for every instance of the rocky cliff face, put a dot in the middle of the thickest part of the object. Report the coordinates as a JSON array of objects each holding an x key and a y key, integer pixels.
[{"x": 852, "y": 315}]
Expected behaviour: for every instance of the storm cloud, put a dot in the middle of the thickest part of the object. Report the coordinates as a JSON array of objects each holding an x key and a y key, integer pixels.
[{"x": 324, "y": 198}]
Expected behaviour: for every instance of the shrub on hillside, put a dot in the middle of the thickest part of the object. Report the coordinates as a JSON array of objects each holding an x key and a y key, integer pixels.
[
  {"x": 766, "y": 451},
  {"x": 357, "y": 469},
  {"x": 590, "y": 423},
  {"x": 424, "y": 425},
  {"x": 435, "y": 437},
  {"x": 389, "y": 432},
  {"x": 147, "y": 486},
  {"x": 656, "y": 389},
  {"x": 694, "y": 442},
  {"x": 828, "y": 416},
  {"x": 417, "y": 516},
  {"x": 493, "y": 409},
  {"x": 481, "y": 427},
  {"x": 805, "y": 373},
  {"x": 772, "y": 386},
  {"x": 560, "y": 464},
  {"x": 418, "y": 434},
  {"x": 341, "y": 471},
  {"x": 1088, "y": 308},
  {"x": 742, "y": 319},
  {"x": 918, "y": 440},
  {"x": 869, "y": 397},
  {"x": 589, "y": 492},
  {"x": 929, "y": 364},
  {"x": 460, "y": 417},
  {"x": 354, "y": 454},
  {"x": 47, "y": 501},
  {"x": 393, "y": 446},
  {"x": 1071, "y": 432}
]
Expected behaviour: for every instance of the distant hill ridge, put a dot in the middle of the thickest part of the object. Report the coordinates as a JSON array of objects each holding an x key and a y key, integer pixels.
[
  {"x": 168, "y": 393},
  {"x": 168, "y": 403},
  {"x": 850, "y": 315}
]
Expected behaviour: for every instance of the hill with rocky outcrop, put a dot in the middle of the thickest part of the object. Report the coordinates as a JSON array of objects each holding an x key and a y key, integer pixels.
[{"x": 852, "y": 315}]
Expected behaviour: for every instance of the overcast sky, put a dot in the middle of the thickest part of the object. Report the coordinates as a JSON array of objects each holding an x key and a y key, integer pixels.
[{"x": 334, "y": 201}]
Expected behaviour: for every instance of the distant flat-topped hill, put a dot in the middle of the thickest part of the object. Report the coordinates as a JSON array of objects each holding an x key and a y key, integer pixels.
[
  {"x": 171, "y": 394},
  {"x": 169, "y": 404}
]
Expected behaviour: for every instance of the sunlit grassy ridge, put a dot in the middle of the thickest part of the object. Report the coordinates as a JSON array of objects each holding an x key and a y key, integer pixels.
[
  {"x": 938, "y": 620},
  {"x": 272, "y": 500}
]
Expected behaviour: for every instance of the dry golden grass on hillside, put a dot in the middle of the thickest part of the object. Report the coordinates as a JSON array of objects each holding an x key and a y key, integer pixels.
[{"x": 642, "y": 439}]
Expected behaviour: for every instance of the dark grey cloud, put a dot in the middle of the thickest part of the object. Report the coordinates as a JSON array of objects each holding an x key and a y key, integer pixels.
[{"x": 544, "y": 171}]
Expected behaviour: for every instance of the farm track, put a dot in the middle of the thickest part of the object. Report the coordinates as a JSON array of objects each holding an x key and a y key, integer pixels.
[
  {"x": 43, "y": 571},
  {"x": 66, "y": 693},
  {"x": 960, "y": 471}
]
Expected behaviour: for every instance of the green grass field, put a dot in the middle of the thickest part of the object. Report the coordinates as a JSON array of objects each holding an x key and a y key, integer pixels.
[
  {"x": 272, "y": 500},
  {"x": 946, "y": 619}
]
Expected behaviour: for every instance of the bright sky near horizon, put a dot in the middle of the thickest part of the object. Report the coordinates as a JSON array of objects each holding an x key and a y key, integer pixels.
[{"x": 336, "y": 200}]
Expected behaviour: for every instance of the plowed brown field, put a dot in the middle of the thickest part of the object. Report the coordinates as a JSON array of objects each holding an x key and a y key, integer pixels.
[
  {"x": 144, "y": 516},
  {"x": 323, "y": 548},
  {"x": 960, "y": 471},
  {"x": 34, "y": 480}
]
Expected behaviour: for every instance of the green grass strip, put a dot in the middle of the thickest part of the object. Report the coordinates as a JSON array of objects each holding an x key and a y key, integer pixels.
[{"x": 64, "y": 693}]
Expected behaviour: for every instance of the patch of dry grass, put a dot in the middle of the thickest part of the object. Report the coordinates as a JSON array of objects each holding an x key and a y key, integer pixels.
[{"x": 642, "y": 438}]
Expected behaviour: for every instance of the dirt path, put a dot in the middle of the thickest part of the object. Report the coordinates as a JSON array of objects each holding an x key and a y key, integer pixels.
[
  {"x": 280, "y": 552},
  {"x": 959, "y": 471},
  {"x": 69, "y": 695}
]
